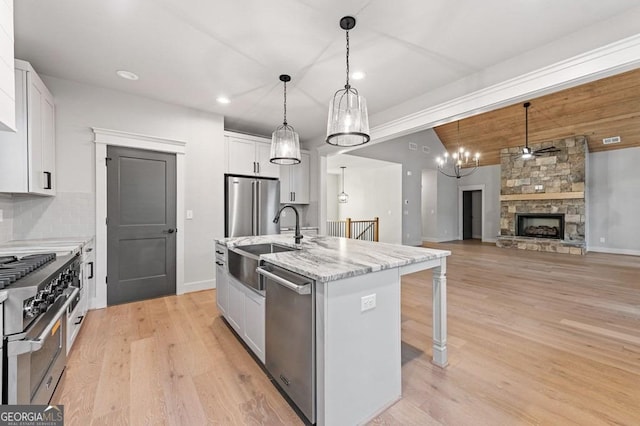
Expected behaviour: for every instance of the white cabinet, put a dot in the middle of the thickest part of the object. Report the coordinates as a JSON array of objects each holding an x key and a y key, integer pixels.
[
  {"x": 249, "y": 155},
  {"x": 235, "y": 310},
  {"x": 254, "y": 317},
  {"x": 246, "y": 315},
  {"x": 78, "y": 309},
  {"x": 222, "y": 280},
  {"x": 294, "y": 182},
  {"x": 7, "y": 79},
  {"x": 27, "y": 157}
]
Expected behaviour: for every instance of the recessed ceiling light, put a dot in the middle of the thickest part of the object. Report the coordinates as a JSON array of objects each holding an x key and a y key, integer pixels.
[
  {"x": 358, "y": 75},
  {"x": 223, "y": 100},
  {"x": 127, "y": 75}
]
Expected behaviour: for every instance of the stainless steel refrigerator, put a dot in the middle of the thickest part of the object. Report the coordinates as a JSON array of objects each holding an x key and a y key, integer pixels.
[{"x": 250, "y": 203}]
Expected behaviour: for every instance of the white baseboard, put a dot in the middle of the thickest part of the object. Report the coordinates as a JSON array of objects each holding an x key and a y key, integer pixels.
[
  {"x": 614, "y": 251},
  {"x": 434, "y": 240},
  {"x": 490, "y": 240},
  {"x": 198, "y": 286}
]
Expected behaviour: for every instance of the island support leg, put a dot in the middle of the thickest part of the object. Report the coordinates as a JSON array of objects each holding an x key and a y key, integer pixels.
[{"x": 440, "y": 314}]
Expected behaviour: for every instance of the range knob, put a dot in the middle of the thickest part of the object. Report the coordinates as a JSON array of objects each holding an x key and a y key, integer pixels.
[{"x": 32, "y": 309}]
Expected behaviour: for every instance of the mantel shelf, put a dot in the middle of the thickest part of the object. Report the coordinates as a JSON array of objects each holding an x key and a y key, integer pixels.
[{"x": 543, "y": 196}]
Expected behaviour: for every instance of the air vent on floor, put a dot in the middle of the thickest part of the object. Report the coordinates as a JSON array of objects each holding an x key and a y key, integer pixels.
[
  {"x": 613, "y": 139},
  {"x": 413, "y": 146}
]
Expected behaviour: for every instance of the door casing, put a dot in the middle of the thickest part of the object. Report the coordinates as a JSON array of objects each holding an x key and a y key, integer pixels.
[
  {"x": 461, "y": 189},
  {"x": 102, "y": 138}
]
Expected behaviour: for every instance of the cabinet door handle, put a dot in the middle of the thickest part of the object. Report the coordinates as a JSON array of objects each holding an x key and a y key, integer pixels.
[
  {"x": 219, "y": 263},
  {"x": 48, "y": 177},
  {"x": 294, "y": 196},
  {"x": 80, "y": 318},
  {"x": 258, "y": 167},
  {"x": 91, "y": 269}
]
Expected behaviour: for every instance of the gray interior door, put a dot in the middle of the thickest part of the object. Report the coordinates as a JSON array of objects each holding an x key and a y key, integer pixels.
[{"x": 141, "y": 224}]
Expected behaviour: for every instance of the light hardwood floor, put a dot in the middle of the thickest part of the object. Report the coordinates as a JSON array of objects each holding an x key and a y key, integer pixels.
[{"x": 534, "y": 338}]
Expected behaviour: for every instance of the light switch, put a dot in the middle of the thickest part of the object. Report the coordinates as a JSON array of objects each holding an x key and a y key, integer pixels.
[
  {"x": 1, "y": 216},
  {"x": 189, "y": 214}
]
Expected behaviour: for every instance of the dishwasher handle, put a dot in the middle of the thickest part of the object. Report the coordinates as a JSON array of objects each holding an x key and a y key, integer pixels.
[{"x": 300, "y": 289}]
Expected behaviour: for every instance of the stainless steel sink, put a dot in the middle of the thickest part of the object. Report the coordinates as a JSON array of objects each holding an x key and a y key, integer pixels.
[
  {"x": 258, "y": 249},
  {"x": 243, "y": 261}
]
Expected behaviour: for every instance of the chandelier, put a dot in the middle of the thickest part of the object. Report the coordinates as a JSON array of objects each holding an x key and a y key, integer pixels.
[
  {"x": 348, "y": 123},
  {"x": 458, "y": 164},
  {"x": 285, "y": 143}
]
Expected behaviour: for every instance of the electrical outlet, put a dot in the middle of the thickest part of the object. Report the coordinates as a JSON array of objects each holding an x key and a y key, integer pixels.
[
  {"x": 602, "y": 240},
  {"x": 367, "y": 302},
  {"x": 189, "y": 214},
  {"x": 1, "y": 216}
]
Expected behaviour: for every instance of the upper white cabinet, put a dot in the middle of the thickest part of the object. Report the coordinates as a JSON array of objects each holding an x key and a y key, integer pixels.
[
  {"x": 249, "y": 155},
  {"x": 294, "y": 182},
  {"x": 27, "y": 156},
  {"x": 7, "y": 80}
]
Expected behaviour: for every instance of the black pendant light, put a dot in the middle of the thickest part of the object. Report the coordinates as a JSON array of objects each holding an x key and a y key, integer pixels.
[
  {"x": 285, "y": 143},
  {"x": 348, "y": 123},
  {"x": 526, "y": 151}
]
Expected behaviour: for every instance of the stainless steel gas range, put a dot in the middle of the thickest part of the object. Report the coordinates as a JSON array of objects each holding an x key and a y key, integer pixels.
[{"x": 39, "y": 289}]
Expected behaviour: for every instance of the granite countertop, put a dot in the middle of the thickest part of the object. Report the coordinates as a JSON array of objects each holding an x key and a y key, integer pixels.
[
  {"x": 59, "y": 246},
  {"x": 326, "y": 259}
]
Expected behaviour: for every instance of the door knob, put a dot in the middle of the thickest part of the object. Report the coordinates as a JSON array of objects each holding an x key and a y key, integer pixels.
[{"x": 169, "y": 231}]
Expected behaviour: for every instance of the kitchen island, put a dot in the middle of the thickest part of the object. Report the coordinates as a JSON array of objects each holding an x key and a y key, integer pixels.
[{"x": 357, "y": 317}]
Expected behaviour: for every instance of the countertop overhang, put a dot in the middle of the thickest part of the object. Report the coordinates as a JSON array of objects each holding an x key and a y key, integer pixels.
[{"x": 326, "y": 259}]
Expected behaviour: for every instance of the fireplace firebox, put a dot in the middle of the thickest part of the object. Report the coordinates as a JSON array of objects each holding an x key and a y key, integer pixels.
[{"x": 540, "y": 225}]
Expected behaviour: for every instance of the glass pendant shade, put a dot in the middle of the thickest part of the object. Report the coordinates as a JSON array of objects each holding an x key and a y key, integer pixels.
[
  {"x": 285, "y": 142},
  {"x": 285, "y": 146},
  {"x": 343, "y": 197},
  {"x": 348, "y": 123}
]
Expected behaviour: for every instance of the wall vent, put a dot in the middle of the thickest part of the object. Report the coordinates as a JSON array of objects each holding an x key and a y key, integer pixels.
[
  {"x": 613, "y": 139},
  {"x": 413, "y": 146},
  {"x": 426, "y": 149}
]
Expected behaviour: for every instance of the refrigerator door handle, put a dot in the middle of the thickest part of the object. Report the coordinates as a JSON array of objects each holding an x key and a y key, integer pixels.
[{"x": 255, "y": 214}]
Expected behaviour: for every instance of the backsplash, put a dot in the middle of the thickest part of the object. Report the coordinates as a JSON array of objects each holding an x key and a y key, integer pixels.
[
  {"x": 6, "y": 226},
  {"x": 68, "y": 214}
]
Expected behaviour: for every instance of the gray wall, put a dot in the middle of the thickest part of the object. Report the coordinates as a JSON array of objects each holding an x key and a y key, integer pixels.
[
  {"x": 71, "y": 213},
  {"x": 613, "y": 202},
  {"x": 413, "y": 162},
  {"x": 429, "y": 205}
]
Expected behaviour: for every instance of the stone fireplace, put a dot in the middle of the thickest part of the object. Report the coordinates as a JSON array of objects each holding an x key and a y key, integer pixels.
[{"x": 542, "y": 201}]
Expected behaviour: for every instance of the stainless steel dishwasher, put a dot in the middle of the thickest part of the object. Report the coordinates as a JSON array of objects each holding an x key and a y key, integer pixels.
[{"x": 290, "y": 335}]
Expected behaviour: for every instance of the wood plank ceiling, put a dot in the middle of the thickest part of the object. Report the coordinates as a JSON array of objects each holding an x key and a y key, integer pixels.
[{"x": 597, "y": 110}]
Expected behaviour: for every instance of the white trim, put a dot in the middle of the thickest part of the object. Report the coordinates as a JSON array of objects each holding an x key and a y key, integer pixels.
[
  {"x": 615, "y": 251},
  {"x": 434, "y": 240},
  {"x": 199, "y": 285},
  {"x": 461, "y": 189},
  {"x": 614, "y": 58},
  {"x": 104, "y": 137},
  {"x": 254, "y": 138}
]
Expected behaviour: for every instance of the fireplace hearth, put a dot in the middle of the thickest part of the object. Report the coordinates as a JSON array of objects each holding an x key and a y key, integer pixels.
[{"x": 540, "y": 225}]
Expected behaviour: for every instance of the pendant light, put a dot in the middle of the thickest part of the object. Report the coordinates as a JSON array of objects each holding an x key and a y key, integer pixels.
[
  {"x": 285, "y": 143},
  {"x": 348, "y": 123},
  {"x": 343, "y": 197},
  {"x": 526, "y": 151}
]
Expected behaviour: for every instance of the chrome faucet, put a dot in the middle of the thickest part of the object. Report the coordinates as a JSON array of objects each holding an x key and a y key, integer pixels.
[{"x": 298, "y": 235}]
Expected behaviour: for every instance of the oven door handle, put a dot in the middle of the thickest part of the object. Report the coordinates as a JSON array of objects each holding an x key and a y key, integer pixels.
[{"x": 20, "y": 347}]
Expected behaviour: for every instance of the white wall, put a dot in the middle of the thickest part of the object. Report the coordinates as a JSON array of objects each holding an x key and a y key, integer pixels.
[
  {"x": 6, "y": 225},
  {"x": 80, "y": 107},
  {"x": 334, "y": 184},
  {"x": 613, "y": 183},
  {"x": 374, "y": 193}
]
